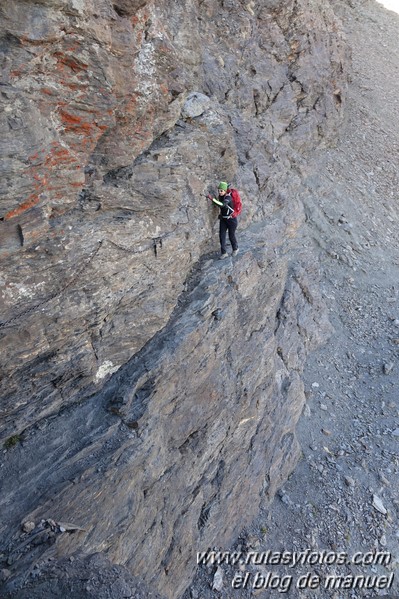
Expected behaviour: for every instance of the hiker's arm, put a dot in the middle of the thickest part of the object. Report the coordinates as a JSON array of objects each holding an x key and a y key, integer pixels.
[{"x": 214, "y": 200}]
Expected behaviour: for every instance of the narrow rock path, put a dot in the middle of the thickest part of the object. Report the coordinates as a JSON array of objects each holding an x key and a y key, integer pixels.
[{"x": 339, "y": 510}]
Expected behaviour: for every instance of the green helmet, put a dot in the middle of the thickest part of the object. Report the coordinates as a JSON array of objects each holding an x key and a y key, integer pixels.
[{"x": 223, "y": 185}]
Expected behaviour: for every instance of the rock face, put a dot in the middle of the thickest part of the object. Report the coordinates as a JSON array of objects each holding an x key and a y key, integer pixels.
[{"x": 150, "y": 394}]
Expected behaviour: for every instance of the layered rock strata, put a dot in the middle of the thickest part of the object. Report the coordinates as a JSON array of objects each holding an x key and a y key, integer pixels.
[
  {"x": 184, "y": 441},
  {"x": 147, "y": 392}
]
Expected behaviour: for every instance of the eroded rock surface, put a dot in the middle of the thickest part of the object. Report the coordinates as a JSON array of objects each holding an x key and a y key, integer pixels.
[
  {"x": 102, "y": 214},
  {"x": 150, "y": 394}
]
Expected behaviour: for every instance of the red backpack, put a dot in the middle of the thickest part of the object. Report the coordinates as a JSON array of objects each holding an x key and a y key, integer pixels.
[{"x": 237, "y": 203}]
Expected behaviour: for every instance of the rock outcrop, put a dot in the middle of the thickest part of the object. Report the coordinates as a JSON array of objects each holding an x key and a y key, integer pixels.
[{"x": 150, "y": 394}]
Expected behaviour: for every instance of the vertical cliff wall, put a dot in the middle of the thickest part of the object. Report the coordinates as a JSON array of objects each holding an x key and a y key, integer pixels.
[{"x": 149, "y": 393}]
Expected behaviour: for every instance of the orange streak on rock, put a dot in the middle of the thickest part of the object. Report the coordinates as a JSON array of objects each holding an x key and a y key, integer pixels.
[
  {"x": 29, "y": 203},
  {"x": 70, "y": 62},
  {"x": 48, "y": 91},
  {"x": 68, "y": 118}
]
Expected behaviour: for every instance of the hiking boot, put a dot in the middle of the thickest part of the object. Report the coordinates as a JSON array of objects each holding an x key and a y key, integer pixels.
[
  {"x": 223, "y": 256},
  {"x": 235, "y": 252}
]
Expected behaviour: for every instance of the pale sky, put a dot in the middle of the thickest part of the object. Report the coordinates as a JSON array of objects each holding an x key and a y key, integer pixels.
[{"x": 390, "y": 4}]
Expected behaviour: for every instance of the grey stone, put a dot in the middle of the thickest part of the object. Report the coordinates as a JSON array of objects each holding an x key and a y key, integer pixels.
[
  {"x": 383, "y": 541},
  {"x": 28, "y": 526},
  {"x": 388, "y": 367},
  {"x": 378, "y": 504},
  {"x": 4, "y": 574},
  {"x": 195, "y": 105},
  {"x": 217, "y": 584}
]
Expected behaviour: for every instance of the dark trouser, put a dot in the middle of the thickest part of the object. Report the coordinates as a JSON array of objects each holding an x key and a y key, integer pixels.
[{"x": 230, "y": 225}]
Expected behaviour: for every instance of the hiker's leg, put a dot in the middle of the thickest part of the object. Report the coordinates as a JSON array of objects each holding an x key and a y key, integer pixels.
[
  {"x": 222, "y": 234},
  {"x": 232, "y": 225}
]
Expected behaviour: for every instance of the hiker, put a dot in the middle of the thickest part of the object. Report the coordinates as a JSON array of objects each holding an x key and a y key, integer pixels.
[{"x": 229, "y": 202}]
